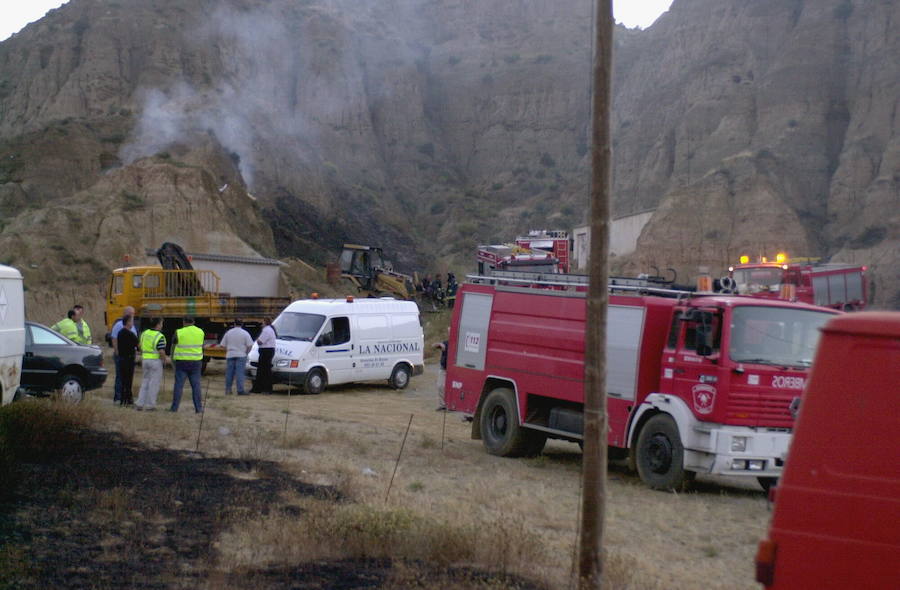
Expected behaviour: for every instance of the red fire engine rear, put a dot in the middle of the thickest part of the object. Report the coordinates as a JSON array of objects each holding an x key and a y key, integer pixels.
[{"x": 695, "y": 383}]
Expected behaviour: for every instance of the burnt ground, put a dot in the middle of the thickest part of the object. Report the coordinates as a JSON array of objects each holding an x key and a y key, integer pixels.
[{"x": 114, "y": 514}]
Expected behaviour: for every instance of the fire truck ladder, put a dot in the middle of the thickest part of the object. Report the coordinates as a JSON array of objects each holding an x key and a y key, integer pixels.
[{"x": 636, "y": 286}]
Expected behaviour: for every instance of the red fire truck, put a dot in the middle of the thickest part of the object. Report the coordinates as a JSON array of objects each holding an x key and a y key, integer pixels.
[
  {"x": 835, "y": 285},
  {"x": 554, "y": 242},
  {"x": 697, "y": 383},
  {"x": 513, "y": 257}
]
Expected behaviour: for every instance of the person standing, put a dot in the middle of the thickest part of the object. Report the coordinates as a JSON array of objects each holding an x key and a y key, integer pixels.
[
  {"x": 237, "y": 343},
  {"x": 153, "y": 351},
  {"x": 113, "y": 336},
  {"x": 66, "y": 326},
  {"x": 266, "y": 342},
  {"x": 83, "y": 330},
  {"x": 442, "y": 374},
  {"x": 188, "y": 356},
  {"x": 126, "y": 346}
]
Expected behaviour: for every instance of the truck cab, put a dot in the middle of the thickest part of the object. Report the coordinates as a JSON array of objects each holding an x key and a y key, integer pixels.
[{"x": 837, "y": 506}]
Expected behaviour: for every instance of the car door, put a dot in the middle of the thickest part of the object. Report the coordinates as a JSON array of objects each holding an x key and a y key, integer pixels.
[
  {"x": 45, "y": 351},
  {"x": 335, "y": 349}
]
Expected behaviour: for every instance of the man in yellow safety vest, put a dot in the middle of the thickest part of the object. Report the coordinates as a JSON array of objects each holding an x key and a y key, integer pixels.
[
  {"x": 67, "y": 327},
  {"x": 188, "y": 356},
  {"x": 153, "y": 352},
  {"x": 82, "y": 329}
]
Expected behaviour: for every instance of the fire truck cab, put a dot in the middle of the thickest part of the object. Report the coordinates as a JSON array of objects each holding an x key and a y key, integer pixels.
[{"x": 695, "y": 383}]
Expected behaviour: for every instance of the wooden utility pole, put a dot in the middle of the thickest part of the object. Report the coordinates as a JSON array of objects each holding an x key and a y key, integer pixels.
[{"x": 593, "y": 493}]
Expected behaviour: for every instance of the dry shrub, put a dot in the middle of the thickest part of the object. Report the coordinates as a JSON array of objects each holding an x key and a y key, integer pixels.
[
  {"x": 298, "y": 440},
  {"x": 328, "y": 530},
  {"x": 255, "y": 445}
]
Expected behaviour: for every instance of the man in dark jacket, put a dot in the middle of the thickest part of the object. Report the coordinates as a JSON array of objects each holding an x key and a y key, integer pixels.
[{"x": 127, "y": 346}]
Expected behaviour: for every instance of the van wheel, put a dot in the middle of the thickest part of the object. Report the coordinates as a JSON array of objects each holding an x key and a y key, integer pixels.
[
  {"x": 767, "y": 482},
  {"x": 71, "y": 389},
  {"x": 315, "y": 382},
  {"x": 400, "y": 377},
  {"x": 500, "y": 430},
  {"x": 660, "y": 454}
]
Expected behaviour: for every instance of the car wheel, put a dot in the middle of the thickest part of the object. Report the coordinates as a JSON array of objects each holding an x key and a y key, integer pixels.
[
  {"x": 400, "y": 377},
  {"x": 315, "y": 382},
  {"x": 500, "y": 430},
  {"x": 71, "y": 389},
  {"x": 660, "y": 454}
]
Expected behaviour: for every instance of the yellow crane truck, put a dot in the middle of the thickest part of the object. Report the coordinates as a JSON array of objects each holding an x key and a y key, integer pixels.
[{"x": 175, "y": 290}]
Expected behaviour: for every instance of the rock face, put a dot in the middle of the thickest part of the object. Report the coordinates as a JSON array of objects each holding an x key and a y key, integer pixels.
[
  {"x": 758, "y": 127},
  {"x": 429, "y": 126}
]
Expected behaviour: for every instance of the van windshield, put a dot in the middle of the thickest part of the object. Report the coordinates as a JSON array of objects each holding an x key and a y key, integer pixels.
[
  {"x": 298, "y": 326},
  {"x": 775, "y": 336}
]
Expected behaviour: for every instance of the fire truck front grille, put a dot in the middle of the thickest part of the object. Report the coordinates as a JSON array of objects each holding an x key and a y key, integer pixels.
[{"x": 755, "y": 409}]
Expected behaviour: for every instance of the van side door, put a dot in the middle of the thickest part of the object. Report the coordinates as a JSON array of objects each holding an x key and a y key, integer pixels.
[{"x": 336, "y": 350}]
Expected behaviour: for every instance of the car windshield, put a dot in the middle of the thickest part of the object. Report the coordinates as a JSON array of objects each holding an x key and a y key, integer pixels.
[
  {"x": 752, "y": 280},
  {"x": 298, "y": 326},
  {"x": 778, "y": 336}
]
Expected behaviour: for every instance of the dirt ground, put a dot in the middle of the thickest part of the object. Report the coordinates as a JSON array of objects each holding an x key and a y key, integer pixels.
[{"x": 347, "y": 441}]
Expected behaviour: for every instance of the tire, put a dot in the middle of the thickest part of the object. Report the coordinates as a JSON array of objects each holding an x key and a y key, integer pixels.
[
  {"x": 70, "y": 389},
  {"x": 500, "y": 430},
  {"x": 660, "y": 454},
  {"x": 767, "y": 483},
  {"x": 400, "y": 377},
  {"x": 315, "y": 382}
]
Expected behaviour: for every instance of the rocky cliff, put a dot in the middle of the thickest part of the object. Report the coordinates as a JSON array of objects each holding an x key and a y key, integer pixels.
[{"x": 428, "y": 126}]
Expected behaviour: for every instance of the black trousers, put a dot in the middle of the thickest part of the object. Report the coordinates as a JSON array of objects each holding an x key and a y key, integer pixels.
[
  {"x": 263, "y": 383},
  {"x": 126, "y": 369}
]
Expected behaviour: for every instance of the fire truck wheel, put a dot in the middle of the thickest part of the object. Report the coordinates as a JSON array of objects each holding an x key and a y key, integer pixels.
[
  {"x": 400, "y": 377},
  {"x": 500, "y": 430},
  {"x": 315, "y": 382},
  {"x": 660, "y": 455}
]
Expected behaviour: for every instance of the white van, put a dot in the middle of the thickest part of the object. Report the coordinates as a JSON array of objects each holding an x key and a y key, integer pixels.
[
  {"x": 331, "y": 341},
  {"x": 12, "y": 332}
]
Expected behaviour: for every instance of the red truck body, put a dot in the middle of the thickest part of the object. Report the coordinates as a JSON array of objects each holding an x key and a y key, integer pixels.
[
  {"x": 839, "y": 286},
  {"x": 836, "y": 522},
  {"x": 695, "y": 383},
  {"x": 554, "y": 242}
]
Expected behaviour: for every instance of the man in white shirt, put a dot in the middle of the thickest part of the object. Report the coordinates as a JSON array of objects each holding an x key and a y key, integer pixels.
[
  {"x": 266, "y": 342},
  {"x": 237, "y": 342}
]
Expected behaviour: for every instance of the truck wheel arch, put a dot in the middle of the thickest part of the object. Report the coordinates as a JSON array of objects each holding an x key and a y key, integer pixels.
[
  {"x": 657, "y": 403},
  {"x": 490, "y": 384}
]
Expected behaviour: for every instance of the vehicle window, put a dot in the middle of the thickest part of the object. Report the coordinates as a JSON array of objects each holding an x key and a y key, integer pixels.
[
  {"x": 674, "y": 331},
  {"x": 337, "y": 331},
  {"x": 137, "y": 281},
  {"x": 118, "y": 284},
  {"x": 775, "y": 335},
  {"x": 346, "y": 261},
  {"x": 754, "y": 280},
  {"x": 43, "y": 336},
  {"x": 690, "y": 331},
  {"x": 298, "y": 326}
]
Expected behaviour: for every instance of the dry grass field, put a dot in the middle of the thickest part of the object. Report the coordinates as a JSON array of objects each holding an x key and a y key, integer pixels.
[{"x": 451, "y": 504}]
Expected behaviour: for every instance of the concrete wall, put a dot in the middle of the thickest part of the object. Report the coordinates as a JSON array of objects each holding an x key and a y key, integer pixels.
[{"x": 624, "y": 233}]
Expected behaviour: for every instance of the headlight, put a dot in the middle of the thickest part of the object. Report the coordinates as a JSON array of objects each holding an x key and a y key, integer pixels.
[
  {"x": 282, "y": 363},
  {"x": 738, "y": 444},
  {"x": 739, "y": 464},
  {"x": 756, "y": 464}
]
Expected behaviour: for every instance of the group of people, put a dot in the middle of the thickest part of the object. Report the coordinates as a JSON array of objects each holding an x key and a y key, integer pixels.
[
  {"x": 433, "y": 289},
  {"x": 187, "y": 359}
]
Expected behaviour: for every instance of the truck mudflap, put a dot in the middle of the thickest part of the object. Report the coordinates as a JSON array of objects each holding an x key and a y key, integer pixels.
[{"x": 719, "y": 449}]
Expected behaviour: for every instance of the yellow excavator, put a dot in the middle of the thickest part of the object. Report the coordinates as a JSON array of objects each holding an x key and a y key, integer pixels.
[{"x": 371, "y": 275}]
